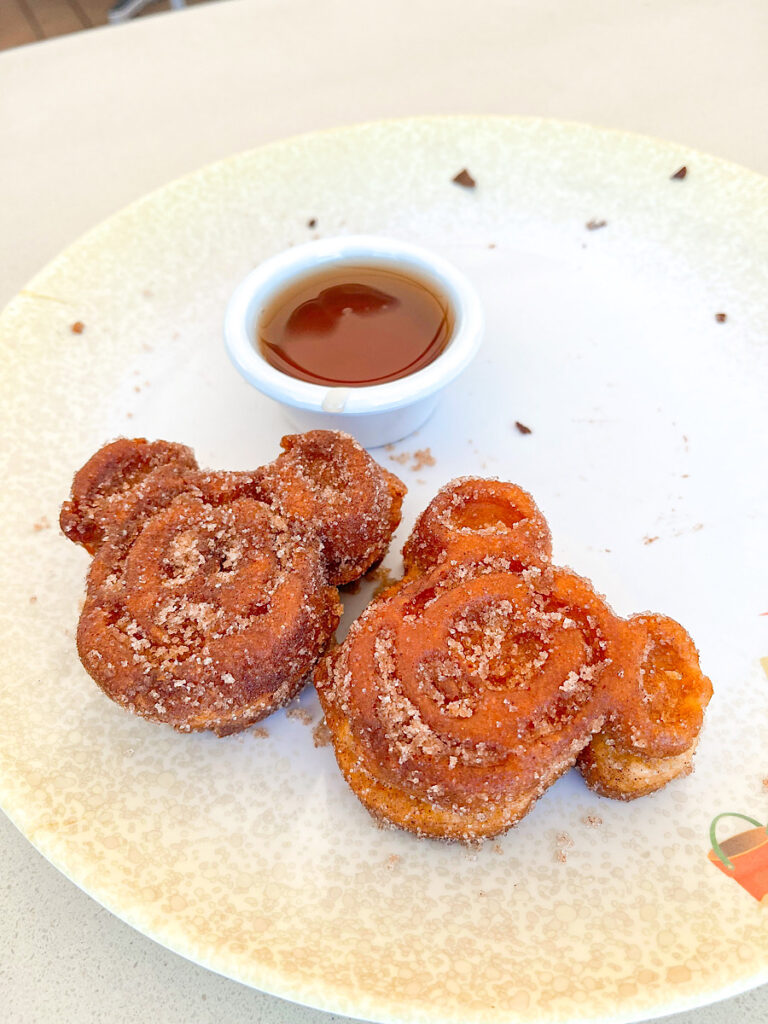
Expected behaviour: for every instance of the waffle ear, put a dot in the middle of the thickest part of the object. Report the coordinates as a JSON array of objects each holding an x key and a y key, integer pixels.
[
  {"x": 327, "y": 478},
  {"x": 485, "y": 516}
]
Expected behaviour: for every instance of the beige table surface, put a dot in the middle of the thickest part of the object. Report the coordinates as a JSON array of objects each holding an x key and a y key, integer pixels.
[{"x": 91, "y": 121}]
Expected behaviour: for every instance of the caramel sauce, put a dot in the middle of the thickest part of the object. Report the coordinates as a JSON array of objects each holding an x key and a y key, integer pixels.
[{"x": 354, "y": 326}]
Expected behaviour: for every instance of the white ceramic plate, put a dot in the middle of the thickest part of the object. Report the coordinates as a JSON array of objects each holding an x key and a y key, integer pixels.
[{"x": 648, "y": 455}]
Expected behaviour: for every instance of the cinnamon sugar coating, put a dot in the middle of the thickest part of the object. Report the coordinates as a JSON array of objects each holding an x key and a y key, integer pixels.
[
  {"x": 120, "y": 475},
  {"x": 209, "y": 600},
  {"x": 487, "y": 516},
  {"x": 353, "y": 502},
  {"x": 471, "y": 685}
]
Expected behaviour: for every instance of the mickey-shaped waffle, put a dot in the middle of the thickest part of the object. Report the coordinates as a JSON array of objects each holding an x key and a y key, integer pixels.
[
  {"x": 211, "y": 596},
  {"x": 470, "y": 686}
]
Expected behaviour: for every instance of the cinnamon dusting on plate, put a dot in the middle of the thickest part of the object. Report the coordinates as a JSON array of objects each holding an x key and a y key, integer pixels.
[
  {"x": 401, "y": 458},
  {"x": 300, "y": 714},
  {"x": 321, "y": 734},
  {"x": 563, "y": 844},
  {"x": 420, "y": 458}
]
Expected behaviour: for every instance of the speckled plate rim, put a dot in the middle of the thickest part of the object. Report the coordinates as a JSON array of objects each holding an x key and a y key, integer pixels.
[
  {"x": 677, "y": 149},
  {"x": 280, "y": 985},
  {"x": 358, "y": 1007}
]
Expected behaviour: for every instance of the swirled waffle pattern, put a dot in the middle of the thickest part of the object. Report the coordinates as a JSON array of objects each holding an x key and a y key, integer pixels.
[
  {"x": 472, "y": 684},
  {"x": 211, "y": 596}
]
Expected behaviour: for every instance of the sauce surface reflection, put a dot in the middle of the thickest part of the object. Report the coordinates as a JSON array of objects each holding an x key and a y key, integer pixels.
[{"x": 354, "y": 326}]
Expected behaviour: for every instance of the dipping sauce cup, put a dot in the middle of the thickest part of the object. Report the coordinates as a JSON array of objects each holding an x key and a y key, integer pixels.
[{"x": 375, "y": 413}]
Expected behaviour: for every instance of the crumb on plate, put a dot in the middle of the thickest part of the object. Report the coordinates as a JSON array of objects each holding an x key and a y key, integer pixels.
[{"x": 465, "y": 179}]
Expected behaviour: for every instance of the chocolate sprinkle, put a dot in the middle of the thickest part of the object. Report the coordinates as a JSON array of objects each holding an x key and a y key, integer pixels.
[
  {"x": 594, "y": 225},
  {"x": 680, "y": 173},
  {"x": 522, "y": 427},
  {"x": 312, "y": 222},
  {"x": 721, "y": 317}
]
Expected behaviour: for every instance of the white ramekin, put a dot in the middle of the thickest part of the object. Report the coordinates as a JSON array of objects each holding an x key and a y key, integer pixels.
[{"x": 375, "y": 415}]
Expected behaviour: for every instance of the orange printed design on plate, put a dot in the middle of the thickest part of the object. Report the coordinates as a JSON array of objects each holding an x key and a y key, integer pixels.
[{"x": 744, "y": 856}]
